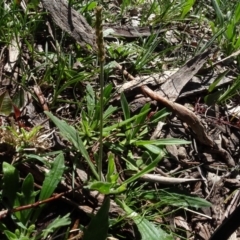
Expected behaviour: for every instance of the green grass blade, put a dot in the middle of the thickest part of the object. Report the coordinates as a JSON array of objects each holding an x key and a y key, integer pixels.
[
  {"x": 217, "y": 80},
  {"x": 187, "y": 7},
  {"x": 125, "y": 107},
  {"x": 218, "y": 12},
  {"x": 211, "y": 41},
  {"x": 57, "y": 223},
  {"x": 162, "y": 142},
  {"x": 140, "y": 120},
  {"x": 106, "y": 130},
  {"x": 147, "y": 229},
  {"x": 73, "y": 136},
  {"x": 149, "y": 168},
  {"x": 175, "y": 197},
  {"x": 153, "y": 148},
  {"x": 231, "y": 91},
  {"x": 236, "y": 14}
]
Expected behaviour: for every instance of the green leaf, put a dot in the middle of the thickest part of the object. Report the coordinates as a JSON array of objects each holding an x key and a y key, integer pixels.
[
  {"x": 125, "y": 107},
  {"x": 72, "y": 135},
  {"x": 140, "y": 120},
  {"x": 33, "y": 4},
  {"x": 28, "y": 186},
  {"x": 111, "y": 169},
  {"x": 27, "y": 196},
  {"x": 10, "y": 235},
  {"x": 152, "y": 148},
  {"x": 175, "y": 197},
  {"x": 187, "y": 7},
  {"x": 5, "y": 104},
  {"x": 162, "y": 142},
  {"x": 107, "y": 93},
  {"x": 236, "y": 14},
  {"x": 102, "y": 187},
  {"x": 147, "y": 229},
  {"x": 98, "y": 227},
  {"x": 106, "y": 130},
  {"x": 217, "y": 80},
  {"x": 53, "y": 177},
  {"x": 10, "y": 183},
  {"x": 149, "y": 168},
  {"x": 57, "y": 223},
  {"x": 90, "y": 100},
  {"x": 159, "y": 115},
  {"x": 109, "y": 112},
  {"x": 231, "y": 91},
  {"x": 213, "y": 98},
  {"x": 218, "y": 12}
]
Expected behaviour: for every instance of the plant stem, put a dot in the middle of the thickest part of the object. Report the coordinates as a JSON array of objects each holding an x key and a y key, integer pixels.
[
  {"x": 101, "y": 122},
  {"x": 101, "y": 57}
]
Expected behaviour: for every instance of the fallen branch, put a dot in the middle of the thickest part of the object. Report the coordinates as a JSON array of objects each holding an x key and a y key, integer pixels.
[{"x": 184, "y": 114}]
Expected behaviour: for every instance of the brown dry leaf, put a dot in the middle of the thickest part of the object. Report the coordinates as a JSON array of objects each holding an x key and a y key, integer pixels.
[
  {"x": 13, "y": 53},
  {"x": 179, "y": 221},
  {"x": 153, "y": 80},
  {"x": 173, "y": 86}
]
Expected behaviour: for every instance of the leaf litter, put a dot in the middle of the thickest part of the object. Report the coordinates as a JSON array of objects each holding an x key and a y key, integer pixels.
[{"x": 210, "y": 162}]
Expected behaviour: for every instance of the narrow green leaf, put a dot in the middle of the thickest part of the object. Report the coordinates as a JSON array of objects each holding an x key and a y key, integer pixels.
[
  {"x": 20, "y": 98},
  {"x": 152, "y": 148},
  {"x": 106, "y": 130},
  {"x": 187, "y": 7},
  {"x": 236, "y": 14},
  {"x": 125, "y": 107},
  {"x": 90, "y": 100},
  {"x": 149, "y": 168},
  {"x": 53, "y": 177},
  {"x": 126, "y": 114},
  {"x": 218, "y": 12},
  {"x": 102, "y": 187},
  {"x": 159, "y": 115},
  {"x": 72, "y": 81},
  {"x": 5, "y": 104},
  {"x": 147, "y": 229},
  {"x": 140, "y": 120},
  {"x": 73, "y": 136},
  {"x": 162, "y": 142},
  {"x": 109, "y": 112},
  {"x": 111, "y": 168},
  {"x": 10, "y": 235},
  {"x": 107, "y": 93},
  {"x": 175, "y": 197},
  {"x": 98, "y": 227},
  {"x": 217, "y": 80},
  {"x": 231, "y": 91},
  {"x": 209, "y": 43},
  {"x": 28, "y": 187},
  {"x": 27, "y": 196},
  {"x": 213, "y": 98},
  {"x": 10, "y": 183},
  {"x": 57, "y": 223}
]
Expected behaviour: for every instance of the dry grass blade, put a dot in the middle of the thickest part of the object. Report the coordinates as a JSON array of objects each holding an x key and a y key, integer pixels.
[{"x": 166, "y": 180}]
